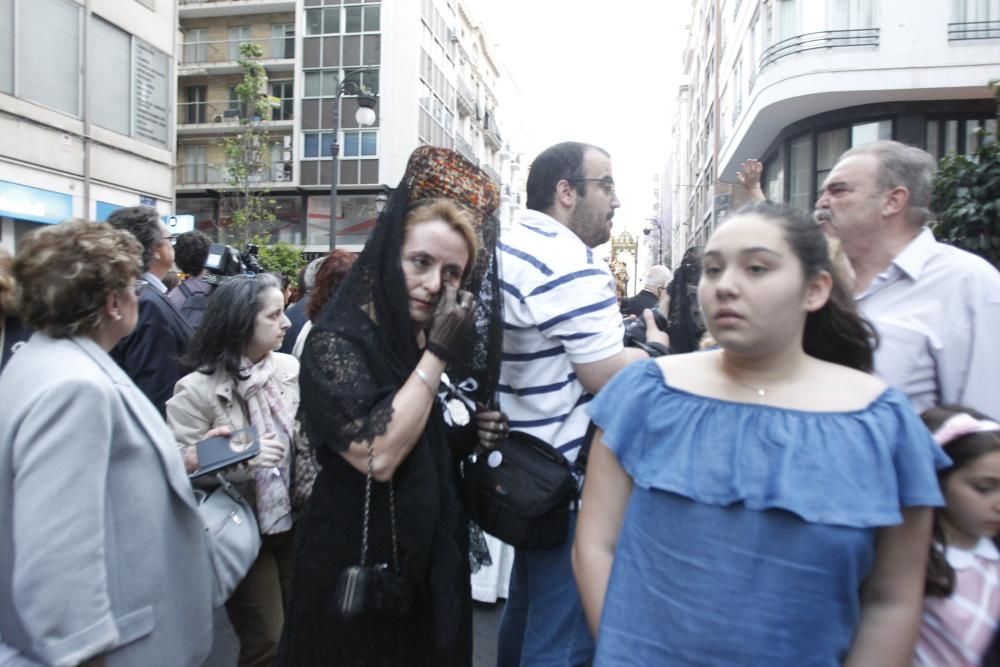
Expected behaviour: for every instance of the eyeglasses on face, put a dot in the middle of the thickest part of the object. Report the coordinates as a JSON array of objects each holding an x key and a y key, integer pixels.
[
  {"x": 138, "y": 286},
  {"x": 607, "y": 184}
]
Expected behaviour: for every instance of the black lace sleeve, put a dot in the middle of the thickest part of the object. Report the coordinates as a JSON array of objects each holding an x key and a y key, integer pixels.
[{"x": 346, "y": 392}]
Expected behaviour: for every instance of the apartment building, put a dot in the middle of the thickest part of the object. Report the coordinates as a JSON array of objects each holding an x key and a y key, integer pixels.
[
  {"x": 797, "y": 82},
  {"x": 428, "y": 63},
  {"x": 86, "y": 110}
]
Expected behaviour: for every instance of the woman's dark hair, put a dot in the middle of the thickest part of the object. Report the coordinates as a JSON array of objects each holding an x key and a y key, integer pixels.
[
  {"x": 684, "y": 324},
  {"x": 191, "y": 251},
  {"x": 940, "y": 580},
  {"x": 226, "y": 328},
  {"x": 143, "y": 222},
  {"x": 836, "y": 332},
  {"x": 555, "y": 163},
  {"x": 331, "y": 272}
]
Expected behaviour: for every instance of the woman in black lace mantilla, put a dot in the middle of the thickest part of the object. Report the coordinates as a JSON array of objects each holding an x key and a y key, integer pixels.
[{"x": 373, "y": 372}]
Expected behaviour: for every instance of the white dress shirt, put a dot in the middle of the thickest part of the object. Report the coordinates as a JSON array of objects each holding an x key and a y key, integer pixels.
[{"x": 937, "y": 312}]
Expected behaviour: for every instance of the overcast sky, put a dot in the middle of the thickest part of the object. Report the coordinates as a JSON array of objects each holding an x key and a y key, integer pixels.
[{"x": 601, "y": 72}]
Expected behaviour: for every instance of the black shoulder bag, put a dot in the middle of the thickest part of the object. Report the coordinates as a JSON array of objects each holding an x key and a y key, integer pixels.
[{"x": 523, "y": 491}]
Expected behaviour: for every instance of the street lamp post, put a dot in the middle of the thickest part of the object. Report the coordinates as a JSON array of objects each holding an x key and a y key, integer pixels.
[
  {"x": 365, "y": 116},
  {"x": 659, "y": 238}
]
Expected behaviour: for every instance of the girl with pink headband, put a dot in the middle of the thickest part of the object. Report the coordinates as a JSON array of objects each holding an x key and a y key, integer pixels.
[{"x": 962, "y": 606}]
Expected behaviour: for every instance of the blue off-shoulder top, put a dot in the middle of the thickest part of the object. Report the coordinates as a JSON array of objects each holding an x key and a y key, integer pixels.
[{"x": 750, "y": 528}]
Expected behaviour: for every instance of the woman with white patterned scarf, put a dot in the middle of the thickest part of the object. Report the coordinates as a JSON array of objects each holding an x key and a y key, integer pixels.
[{"x": 242, "y": 381}]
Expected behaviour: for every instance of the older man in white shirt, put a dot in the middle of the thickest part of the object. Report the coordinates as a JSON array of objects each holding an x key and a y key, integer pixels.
[{"x": 936, "y": 308}]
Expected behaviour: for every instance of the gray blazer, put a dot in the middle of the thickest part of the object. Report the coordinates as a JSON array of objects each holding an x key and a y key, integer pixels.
[{"x": 102, "y": 550}]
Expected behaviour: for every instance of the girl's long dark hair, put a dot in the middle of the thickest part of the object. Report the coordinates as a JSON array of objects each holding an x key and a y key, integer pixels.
[
  {"x": 226, "y": 328},
  {"x": 836, "y": 332},
  {"x": 940, "y": 579}
]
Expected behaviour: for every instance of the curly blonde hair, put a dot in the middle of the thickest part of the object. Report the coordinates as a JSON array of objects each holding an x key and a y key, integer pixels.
[
  {"x": 65, "y": 273},
  {"x": 7, "y": 284}
]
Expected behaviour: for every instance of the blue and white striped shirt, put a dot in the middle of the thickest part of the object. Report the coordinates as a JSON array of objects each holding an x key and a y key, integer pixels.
[{"x": 559, "y": 309}]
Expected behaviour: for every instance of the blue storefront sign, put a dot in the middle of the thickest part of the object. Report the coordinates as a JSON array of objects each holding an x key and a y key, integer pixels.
[
  {"x": 104, "y": 209},
  {"x": 34, "y": 204}
]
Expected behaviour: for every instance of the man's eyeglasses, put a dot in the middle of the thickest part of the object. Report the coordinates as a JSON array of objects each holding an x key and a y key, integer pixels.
[
  {"x": 172, "y": 238},
  {"x": 607, "y": 184},
  {"x": 138, "y": 286}
]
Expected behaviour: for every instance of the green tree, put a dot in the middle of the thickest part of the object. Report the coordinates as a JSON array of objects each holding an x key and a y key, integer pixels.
[
  {"x": 248, "y": 160},
  {"x": 282, "y": 258},
  {"x": 966, "y": 196}
]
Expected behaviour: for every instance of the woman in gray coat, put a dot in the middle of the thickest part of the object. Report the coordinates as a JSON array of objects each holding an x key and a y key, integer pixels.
[{"x": 103, "y": 556}]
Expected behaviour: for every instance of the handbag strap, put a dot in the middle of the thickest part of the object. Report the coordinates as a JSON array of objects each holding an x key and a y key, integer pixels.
[{"x": 367, "y": 514}]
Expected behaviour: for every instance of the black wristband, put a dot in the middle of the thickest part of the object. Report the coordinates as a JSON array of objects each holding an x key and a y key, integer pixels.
[
  {"x": 654, "y": 349},
  {"x": 438, "y": 351}
]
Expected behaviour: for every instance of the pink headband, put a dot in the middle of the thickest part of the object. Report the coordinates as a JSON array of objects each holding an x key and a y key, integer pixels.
[{"x": 962, "y": 424}]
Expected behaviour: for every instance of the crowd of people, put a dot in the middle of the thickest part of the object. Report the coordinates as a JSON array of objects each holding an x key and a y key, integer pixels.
[{"x": 797, "y": 461}]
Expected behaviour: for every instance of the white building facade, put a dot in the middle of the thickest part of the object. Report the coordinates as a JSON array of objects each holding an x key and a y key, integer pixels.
[
  {"x": 86, "y": 110},
  {"x": 795, "y": 83},
  {"x": 429, "y": 63}
]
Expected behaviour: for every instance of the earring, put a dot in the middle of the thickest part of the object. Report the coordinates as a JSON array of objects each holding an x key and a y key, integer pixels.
[{"x": 118, "y": 317}]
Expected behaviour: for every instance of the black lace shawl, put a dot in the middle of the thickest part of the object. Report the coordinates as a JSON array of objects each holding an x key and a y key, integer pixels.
[
  {"x": 360, "y": 351},
  {"x": 684, "y": 323}
]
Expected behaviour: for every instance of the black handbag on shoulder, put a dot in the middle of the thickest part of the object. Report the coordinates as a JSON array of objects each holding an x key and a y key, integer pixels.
[{"x": 521, "y": 492}]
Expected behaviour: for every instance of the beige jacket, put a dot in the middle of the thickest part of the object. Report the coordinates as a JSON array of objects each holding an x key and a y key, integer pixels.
[{"x": 203, "y": 401}]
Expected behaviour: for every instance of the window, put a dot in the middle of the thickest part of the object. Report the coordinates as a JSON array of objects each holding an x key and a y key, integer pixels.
[
  {"x": 958, "y": 135},
  {"x": 283, "y": 40},
  {"x": 196, "y": 45},
  {"x": 325, "y": 21},
  {"x": 786, "y": 19},
  {"x": 965, "y": 11},
  {"x": 774, "y": 179},
  {"x": 111, "y": 51},
  {"x": 194, "y": 165},
  {"x": 283, "y": 90},
  {"x": 852, "y": 14},
  {"x": 7, "y": 46},
  {"x": 317, "y": 145},
  {"x": 237, "y": 35},
  {"x": 46, "y": 75},
  {"x": 801, "y": 171},
  {"x": 830, "y": 145},
  {"x": 195, "y": 103},
  {"x": 320, "y": 83},
  {"x": 360, "y": 144},
  {"x": 865, "y": 133}
]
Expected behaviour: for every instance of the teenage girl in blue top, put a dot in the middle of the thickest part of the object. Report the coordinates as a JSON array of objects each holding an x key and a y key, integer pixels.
[{"x": 766, "y": 503}]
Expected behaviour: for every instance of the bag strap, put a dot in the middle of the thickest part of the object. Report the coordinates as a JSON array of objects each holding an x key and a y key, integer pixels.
[
  {"x": 185, "y": 289},
  {"x": 367, "y": 513}
]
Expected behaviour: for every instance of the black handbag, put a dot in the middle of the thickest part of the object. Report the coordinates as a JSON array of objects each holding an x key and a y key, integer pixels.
[
  {"x": 377, "y": 589},
  {"x": 521, "y": 492}
]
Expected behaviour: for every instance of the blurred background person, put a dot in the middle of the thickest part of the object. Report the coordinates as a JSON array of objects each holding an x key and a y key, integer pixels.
[
  {"x": 768, "y": 503},
  {"x": 684, "y": 324},
  {"x": 151, "y": 354},
  {"x": 653, "y": 293},
  {"x": 239, "y": 382},
  {"x": 13, "y": 332},
  {"x": 297, "y": 311},
  {"x": 103, "y": 555},
  {"x": 190, "y": 254},
  {"x": 372, "y": 369},
  {"x": 331, "y": 273}
]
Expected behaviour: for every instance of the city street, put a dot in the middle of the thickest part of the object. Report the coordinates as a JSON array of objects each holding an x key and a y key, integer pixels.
[{"x": 485, "y": 622}]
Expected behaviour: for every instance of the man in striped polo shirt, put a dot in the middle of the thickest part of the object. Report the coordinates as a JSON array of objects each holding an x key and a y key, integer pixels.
[{"x": 562, "y": 342}]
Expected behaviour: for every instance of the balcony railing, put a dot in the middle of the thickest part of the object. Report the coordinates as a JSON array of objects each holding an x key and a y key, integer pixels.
[
  {"x": 465, "y": 98},
  {"x": 465, "y": 148},
  {"x": 197, "y": 113},
  {"x": 826, "y": 39},
  {"x": 973, "y": 30},
  {"x": 216, "y": 173},
  {"x": 228, "y": 50},
  {"x": 491, "y": 172}
]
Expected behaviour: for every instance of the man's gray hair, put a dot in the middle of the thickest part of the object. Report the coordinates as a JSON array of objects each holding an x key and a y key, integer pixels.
[
  {"x": 658, "y": 276},
  {"x": 905, "y": 166}
]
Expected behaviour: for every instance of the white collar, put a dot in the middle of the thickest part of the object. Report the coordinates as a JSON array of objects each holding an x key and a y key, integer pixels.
[{"x": 961, "y": 559}]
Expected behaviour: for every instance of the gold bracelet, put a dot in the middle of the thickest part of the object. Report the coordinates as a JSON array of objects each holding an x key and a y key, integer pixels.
[{"x": 426, "y": 380}]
